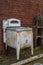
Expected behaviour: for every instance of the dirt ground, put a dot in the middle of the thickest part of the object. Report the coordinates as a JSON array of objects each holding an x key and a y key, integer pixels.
[{"x": 25, "y": 53}]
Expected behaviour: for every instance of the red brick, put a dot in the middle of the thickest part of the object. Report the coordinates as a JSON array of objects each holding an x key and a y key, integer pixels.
[{"x": 24, "y": 10}]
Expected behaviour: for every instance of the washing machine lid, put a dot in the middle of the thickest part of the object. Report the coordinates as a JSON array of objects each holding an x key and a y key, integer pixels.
[{"x": 12, "y": 22}]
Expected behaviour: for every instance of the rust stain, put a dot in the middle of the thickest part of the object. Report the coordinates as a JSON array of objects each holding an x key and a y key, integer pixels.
[
  {"x": 25, "y": 34},
  {"x": 12, "y": 37},
  {"x": 24, "y": 46},
  {"x": 29, "y": 32},
  {"x": 18, "y": 33}
]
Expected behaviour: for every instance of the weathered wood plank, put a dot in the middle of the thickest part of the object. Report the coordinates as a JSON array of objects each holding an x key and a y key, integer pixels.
[{"x": 28, "y": 60}]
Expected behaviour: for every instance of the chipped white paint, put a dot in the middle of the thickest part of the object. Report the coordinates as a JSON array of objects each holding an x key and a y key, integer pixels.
[
  {"x": 19, "y": 37},
  {"x": 7, "y": 23}
]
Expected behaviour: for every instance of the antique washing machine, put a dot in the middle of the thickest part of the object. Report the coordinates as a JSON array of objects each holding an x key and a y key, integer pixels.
[{"x": 16, "y": 36}]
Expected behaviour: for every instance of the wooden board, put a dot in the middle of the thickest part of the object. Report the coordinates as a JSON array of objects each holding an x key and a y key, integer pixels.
[{"x": 28, "y": 60}]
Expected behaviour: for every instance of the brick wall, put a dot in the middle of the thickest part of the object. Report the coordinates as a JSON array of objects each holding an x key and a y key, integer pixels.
[{"x": 24, "y": 10}]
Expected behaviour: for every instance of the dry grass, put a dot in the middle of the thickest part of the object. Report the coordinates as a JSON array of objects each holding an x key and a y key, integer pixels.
[{"x": 11, "y": 58}]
